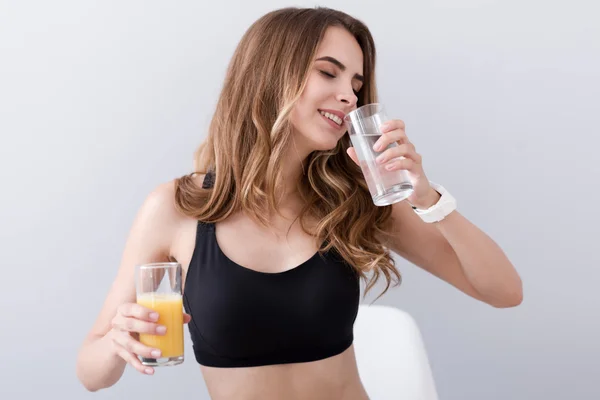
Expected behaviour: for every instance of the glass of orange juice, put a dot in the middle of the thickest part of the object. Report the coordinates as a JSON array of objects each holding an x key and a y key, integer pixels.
[{"x": 158, "y": 287}]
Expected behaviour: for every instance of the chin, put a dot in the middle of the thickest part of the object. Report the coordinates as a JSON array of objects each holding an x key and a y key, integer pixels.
[
  {"x": 318, "y": 139},
  {"x": 324, "y": 145},
  {"x": 326, "y": 140}
]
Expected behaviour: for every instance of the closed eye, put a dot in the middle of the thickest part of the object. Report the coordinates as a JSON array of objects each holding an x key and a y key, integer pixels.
[{"x": 331, "y": 76}]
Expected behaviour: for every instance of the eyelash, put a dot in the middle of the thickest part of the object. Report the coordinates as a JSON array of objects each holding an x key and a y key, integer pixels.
[{"x": 331, "y": 76}]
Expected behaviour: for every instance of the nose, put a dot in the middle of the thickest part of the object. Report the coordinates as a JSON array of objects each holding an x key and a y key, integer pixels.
[{"x": 349, "y": 99}]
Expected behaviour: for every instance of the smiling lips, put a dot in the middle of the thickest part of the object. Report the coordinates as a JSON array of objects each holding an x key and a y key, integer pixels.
[{"x": 333, "y": 116}]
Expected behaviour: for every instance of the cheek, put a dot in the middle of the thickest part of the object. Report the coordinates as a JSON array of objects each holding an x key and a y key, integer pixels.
[
  {"x": 302, "y": 113},
  {"x": 313, "y": 95},
  {"x": 298, "y": 118},
  {"x": 305, "y": 110}
]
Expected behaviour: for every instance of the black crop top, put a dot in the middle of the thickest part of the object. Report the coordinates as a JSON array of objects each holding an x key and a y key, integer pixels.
[{"x": 242, "y": 317}]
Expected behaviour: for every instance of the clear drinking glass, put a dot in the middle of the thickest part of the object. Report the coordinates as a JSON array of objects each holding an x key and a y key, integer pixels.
[
  {"x": 386, "y": 187},
  {"x": 158, "y": 287}
]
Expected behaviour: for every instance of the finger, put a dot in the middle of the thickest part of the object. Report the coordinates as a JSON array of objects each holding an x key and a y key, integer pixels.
[
  {"x": 352, "y": 153},
  {"x": 138, "y": 326},
  {"x": 401, "y": 164},
  {"x": 137, "y": 311},
  {"x": 132, "y": 360},
  {"x": 397, "y": 135},
  {"x": 126, "y": 342},
  {"x": 402, "y": 150},
  {"x": 186, "y": 318},
  {"x": 392, "y": 125}
]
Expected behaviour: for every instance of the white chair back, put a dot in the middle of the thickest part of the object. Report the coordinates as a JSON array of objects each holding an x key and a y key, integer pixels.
[{"x": 391, "y": 356}]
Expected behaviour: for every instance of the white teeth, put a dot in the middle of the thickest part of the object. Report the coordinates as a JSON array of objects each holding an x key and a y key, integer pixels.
[{"x": 332, "y": 117}]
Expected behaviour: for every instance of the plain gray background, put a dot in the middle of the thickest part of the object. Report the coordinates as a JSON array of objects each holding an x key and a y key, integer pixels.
[{"x": 100, "y": 101}]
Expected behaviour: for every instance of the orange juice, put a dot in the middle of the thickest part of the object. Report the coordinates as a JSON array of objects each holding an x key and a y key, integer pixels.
[{"x": 169, "y": 307}]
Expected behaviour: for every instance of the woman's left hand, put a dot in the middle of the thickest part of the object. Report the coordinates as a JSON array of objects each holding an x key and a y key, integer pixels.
[{"x": 423, "y": 196}]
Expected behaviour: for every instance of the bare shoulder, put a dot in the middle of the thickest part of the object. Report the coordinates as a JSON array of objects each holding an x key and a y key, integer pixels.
[
  {"x": 161, "y": 203},
  {"x": 159, "y": 214},
  {"x": 160, "y": 206},
  {"x": 162, "y": 197}
]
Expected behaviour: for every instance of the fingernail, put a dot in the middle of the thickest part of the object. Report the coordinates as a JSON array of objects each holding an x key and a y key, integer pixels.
[
  {"x": 161, "y": 329},
  {"x": 384, "y": 126},
  {"x": 377, "y": 146},
  {"x": 153, "y": 316},
  {"x": 380, "y": 158},
  {"x": 155, "y": 353},
  {"x": 149, "y": 371}
]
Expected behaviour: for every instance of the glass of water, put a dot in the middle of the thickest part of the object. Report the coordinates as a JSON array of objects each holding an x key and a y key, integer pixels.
[{"x": 386, "y": 187}]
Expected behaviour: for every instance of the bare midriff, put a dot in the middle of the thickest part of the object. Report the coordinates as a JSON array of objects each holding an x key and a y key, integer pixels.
[{"x": 332, "y": 378}]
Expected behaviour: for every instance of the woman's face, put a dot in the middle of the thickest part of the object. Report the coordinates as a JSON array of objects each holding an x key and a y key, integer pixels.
[{"x": 330, "y": 92}]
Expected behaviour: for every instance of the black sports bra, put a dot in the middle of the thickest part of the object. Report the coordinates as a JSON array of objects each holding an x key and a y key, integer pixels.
[{"x": 243, "y": 318}]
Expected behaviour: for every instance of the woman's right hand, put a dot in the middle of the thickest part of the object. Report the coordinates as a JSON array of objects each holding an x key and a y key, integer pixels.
[{"x": 131, "y": 320}]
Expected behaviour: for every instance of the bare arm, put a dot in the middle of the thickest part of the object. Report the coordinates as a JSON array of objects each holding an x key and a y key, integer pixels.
[
  {"x": 454, "y": 249},
  {"x": 458, "y": 252},
  {"x": 101, "y": 359}
]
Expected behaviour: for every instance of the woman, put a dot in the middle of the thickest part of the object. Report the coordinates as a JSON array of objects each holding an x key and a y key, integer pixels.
[{"x": 277, "y": 226}]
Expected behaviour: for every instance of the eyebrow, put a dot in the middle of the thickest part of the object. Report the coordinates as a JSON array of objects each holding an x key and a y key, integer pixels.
[{"x": 341, "y": 66}]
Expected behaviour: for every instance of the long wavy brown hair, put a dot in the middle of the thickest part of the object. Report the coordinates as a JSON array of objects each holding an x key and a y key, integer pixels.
[{"x": 250, "y": 131}]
